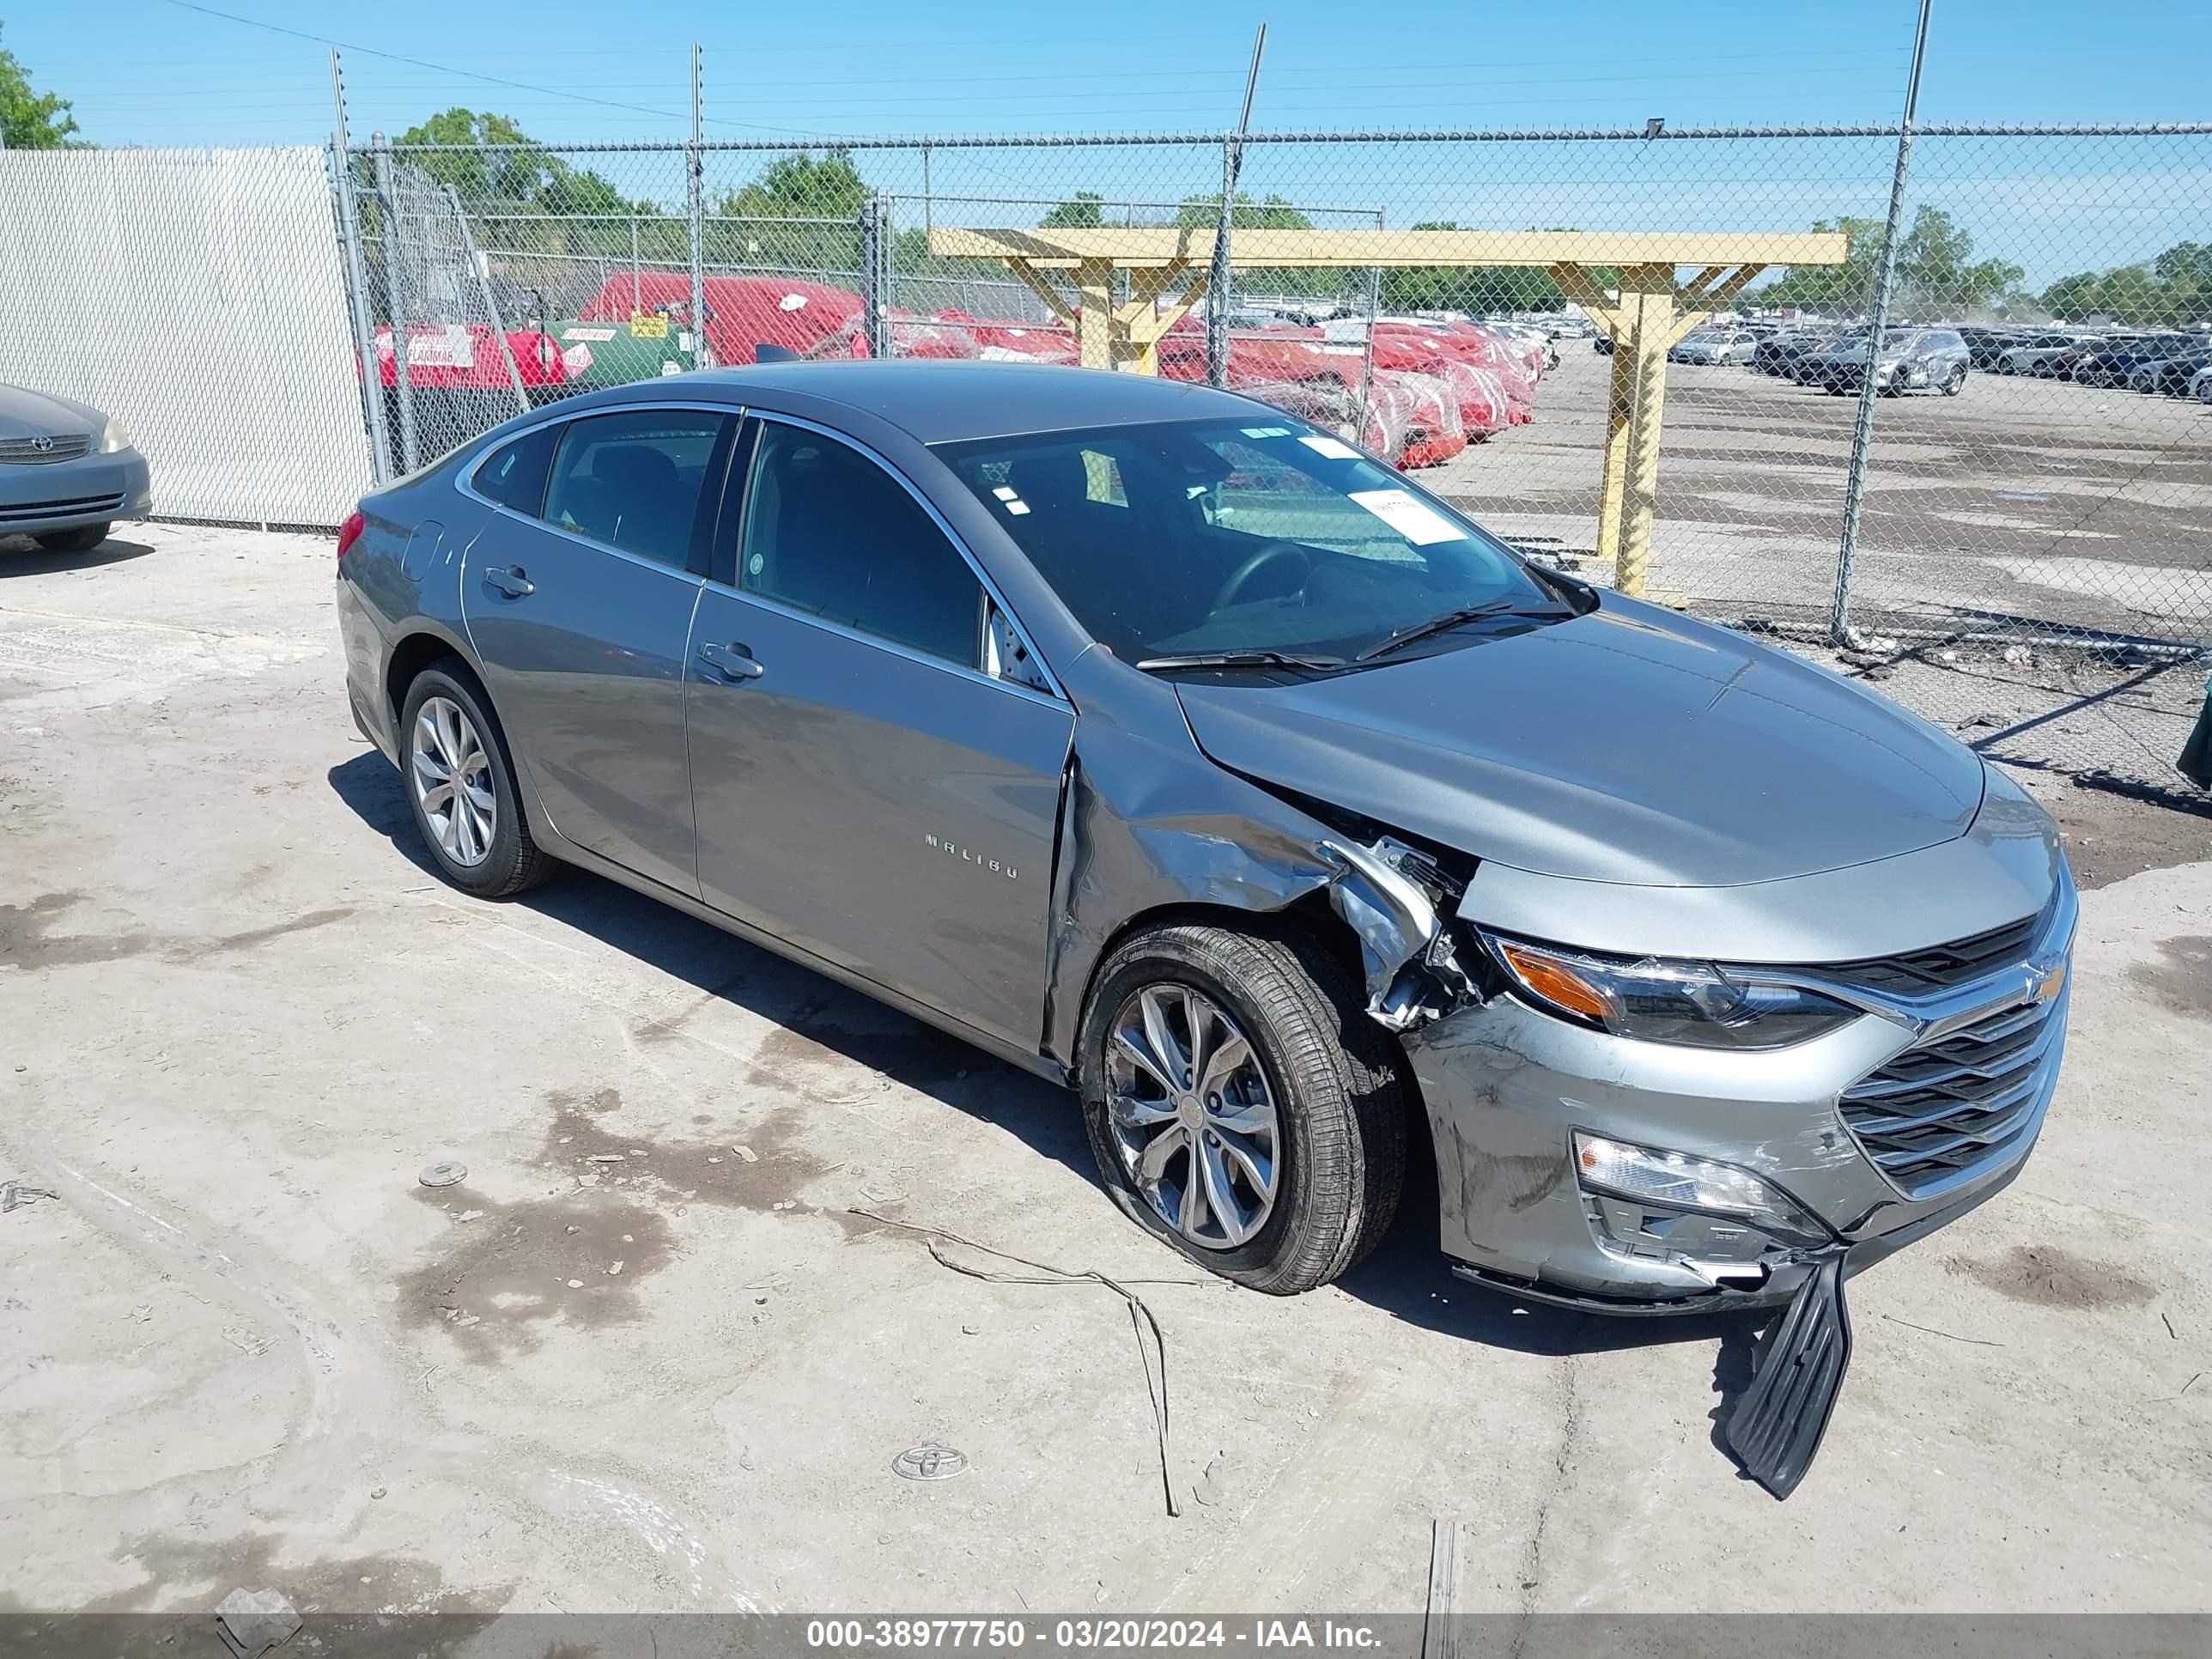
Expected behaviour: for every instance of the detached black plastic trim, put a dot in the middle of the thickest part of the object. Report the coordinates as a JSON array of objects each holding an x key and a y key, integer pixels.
[{"x": 1776, "y": 1428}]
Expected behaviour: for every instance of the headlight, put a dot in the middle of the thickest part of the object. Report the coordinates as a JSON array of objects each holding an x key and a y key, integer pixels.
[
  {"x": 1682, "y": 1002},
  {"x": 114, "y": 439},
  {"x": 1677, "y": 1180}
]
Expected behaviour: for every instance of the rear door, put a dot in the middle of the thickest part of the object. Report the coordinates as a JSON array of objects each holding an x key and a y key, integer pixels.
[
  {"x": 863, "y": 788},
  {"x": 580, "y": 607}
]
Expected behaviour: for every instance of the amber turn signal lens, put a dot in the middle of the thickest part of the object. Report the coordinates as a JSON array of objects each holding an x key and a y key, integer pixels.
[{"x": 1556, "y": 983}]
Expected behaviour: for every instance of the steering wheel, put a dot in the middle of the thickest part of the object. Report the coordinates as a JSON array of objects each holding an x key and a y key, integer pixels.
[{"x": 1254, "y": 562}]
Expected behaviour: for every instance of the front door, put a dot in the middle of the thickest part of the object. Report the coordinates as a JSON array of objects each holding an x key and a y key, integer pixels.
[
  {"x": 862, "y": 789},
  {"x": 580, "y": 614}
]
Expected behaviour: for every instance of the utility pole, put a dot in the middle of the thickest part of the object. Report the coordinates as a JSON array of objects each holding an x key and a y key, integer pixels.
[
  {"x": 1217, "y": 281},
  {"x": 1840, "y": 631}
]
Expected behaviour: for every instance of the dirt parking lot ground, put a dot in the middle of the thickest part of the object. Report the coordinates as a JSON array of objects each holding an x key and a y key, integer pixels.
[
  {"x": 2021, "y": 510},
  {"x": 646, "y": 1356}
]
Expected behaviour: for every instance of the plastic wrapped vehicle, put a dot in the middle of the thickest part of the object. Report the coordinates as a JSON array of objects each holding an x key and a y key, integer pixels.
[
  {"x": 811, "y": 319},
  {"x": 944, "y": 336},
  {"x": 1436, "y": 435}
]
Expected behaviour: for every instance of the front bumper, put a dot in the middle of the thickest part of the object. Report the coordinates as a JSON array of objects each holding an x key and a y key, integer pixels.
[
  {"x": 1506, "y": 1086},
  {"x": 42, "y": 500}
]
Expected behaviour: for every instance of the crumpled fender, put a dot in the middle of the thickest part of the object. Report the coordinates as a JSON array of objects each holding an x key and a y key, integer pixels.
[{"x": 1144, "y": 828}]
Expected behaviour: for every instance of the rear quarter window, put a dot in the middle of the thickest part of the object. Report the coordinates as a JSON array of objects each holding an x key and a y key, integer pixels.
[{"x": 514, "y": 475}]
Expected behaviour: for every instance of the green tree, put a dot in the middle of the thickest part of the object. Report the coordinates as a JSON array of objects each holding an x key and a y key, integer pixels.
[
  {"x": 1204, "y": 213},
  {"x": 29, "y": 120},
  {"x": 769, "y": 223},
  {"x": 1848, "y": 287},
  {"x": 1085, "y": 212},
  {"x": 1936, "y": 269},
  {"x": 2170, "y": 290},
  {"x": 527, "y": 199}
]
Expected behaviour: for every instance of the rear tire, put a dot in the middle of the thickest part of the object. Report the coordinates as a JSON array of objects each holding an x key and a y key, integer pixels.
[
  {"x": 1313, "y": 1068},
  {"x": 83, "y": 539},
  {"x": 460, "y": 781}
]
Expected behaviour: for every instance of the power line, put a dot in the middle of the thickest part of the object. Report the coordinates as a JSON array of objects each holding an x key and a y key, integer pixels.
[{"x": 468, "y": 75}]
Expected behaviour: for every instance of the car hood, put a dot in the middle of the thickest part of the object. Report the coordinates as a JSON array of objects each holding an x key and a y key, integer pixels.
[
  {"x": 1628, "y": 745},
  {"x": 26, "y": 414}
]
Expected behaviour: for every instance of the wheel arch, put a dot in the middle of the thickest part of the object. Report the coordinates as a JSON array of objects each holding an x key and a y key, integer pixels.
[
  {"x": 417, "y": 651},
  {"x": 1309, "y": 916}
]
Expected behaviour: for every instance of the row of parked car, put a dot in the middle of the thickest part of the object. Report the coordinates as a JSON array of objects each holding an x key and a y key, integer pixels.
[
  {"x": 1937, "y": 356},
  {"x": 2172, "y": 362},
  {"x": 1910, "y": 358}
]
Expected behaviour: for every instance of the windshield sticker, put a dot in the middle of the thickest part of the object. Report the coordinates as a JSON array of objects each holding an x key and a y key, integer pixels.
[
  {"x": 1336, "y": 449},
  {"x": 1419, "y": 525},
  {"x": 1267, "y": 432}
]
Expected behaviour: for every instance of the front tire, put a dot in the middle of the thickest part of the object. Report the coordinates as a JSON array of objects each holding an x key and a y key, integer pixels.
[
  {"x": 1951, "y": 385},
  {"x": 1242, "y": 1105},
  {"x": 83, "y": 539},
  {"x": 460, "y": 786}
]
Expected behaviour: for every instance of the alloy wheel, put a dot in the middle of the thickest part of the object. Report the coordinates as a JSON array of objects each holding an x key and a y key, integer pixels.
[
  {"x": 451, "y": 775},
  {"x": 1193, "y": 1116}
]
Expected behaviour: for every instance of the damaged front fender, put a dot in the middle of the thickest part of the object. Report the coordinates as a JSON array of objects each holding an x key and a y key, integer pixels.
[
  {"x": 1392, "y": 896},
  {"x": 1148, "y": 827}
]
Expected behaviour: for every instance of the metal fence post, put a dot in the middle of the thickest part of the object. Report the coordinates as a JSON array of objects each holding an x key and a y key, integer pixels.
[
  {"x": 695, "y": 202},
  {"x": 1367, "y": 340},
  {"x": 357, "y": 281},
  {"x": 410, "y": 457},
  {"x": 1840, "y": 631},
  {"x": 875, "y": 271},
  {"x": 477, "y": 268},
  {"x": 1217, "y": 280},
  {"x": 636, "y": 277}
]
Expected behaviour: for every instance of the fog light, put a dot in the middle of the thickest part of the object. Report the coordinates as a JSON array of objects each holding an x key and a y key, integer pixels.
[{"x": 1678, "y": 1181}]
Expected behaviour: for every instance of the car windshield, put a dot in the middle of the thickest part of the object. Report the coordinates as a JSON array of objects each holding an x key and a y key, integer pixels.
[{"x": 1264, "y": 535}]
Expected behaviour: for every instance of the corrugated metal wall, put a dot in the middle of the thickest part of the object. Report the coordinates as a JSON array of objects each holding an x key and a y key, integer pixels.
[{"x": 196, "y": 296}]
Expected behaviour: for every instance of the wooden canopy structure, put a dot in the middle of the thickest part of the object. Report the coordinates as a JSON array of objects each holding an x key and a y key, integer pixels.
[{"x": 1654, "y": 307}]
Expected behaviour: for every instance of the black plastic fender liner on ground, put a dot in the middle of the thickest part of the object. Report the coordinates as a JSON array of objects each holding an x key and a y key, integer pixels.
[{"x": 1776, "y": 1426}]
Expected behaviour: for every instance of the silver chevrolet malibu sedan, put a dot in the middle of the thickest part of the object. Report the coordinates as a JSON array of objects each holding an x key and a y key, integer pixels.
[{"x": 1174, "y": 749}]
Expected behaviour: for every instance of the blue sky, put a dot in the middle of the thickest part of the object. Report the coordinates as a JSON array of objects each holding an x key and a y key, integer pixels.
[
  {"x": 155, "y": 72},
  {"x": 160, "y": 72}
]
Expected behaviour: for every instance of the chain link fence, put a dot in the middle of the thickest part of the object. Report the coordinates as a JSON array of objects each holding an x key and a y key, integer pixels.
[{"x": 2024, "y": 445}]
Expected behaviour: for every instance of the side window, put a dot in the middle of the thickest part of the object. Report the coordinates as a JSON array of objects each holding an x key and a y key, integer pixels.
[
  {"x": 635, "y": 480},
  {"x": 829, "y": 533},
  {"x": 514, "y": 474}
]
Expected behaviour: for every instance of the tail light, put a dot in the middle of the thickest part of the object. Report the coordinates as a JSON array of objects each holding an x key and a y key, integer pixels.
[{"x": 350, "y": 532}]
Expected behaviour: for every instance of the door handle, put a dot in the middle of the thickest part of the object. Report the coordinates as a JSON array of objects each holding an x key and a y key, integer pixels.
[
  {"x": 734, "y": 660},
  {"x": 510, "y": 582}
]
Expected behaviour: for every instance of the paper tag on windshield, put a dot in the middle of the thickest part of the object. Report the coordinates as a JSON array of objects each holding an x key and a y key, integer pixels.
[
  {"x": 1267, "y": 432},
  {"x": 1417, "y": 524},
  {"x": 1337, "y": 450}
]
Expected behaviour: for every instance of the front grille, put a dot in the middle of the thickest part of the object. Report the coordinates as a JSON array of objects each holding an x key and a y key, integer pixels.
[
  {"x": 1943, "y": 1112},
  {"x": 77, "y": 506},
  {"x": 25, "y": 452},
  {"x": 1940, "y": 967}
]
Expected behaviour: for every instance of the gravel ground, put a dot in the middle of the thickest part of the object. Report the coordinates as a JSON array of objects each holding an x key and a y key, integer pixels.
[
  {"x": 646, "y": 1354},
  {"x": 2003, "y": 529}
]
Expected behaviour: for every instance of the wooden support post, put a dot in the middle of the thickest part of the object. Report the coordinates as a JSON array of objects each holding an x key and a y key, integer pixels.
[
  {"x": 1654, "y": 286},
  {"x": 1094, "y": 281},
  {"x": 1619, "y": 407}
]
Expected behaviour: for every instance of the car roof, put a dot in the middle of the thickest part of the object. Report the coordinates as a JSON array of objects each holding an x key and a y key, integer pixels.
[{"x": 939, "y": 401}]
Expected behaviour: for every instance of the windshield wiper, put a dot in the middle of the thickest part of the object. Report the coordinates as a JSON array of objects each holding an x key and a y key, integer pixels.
[
  {"x": 1451, "y": 619},
  {"x": 1242, "y": 660}
]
